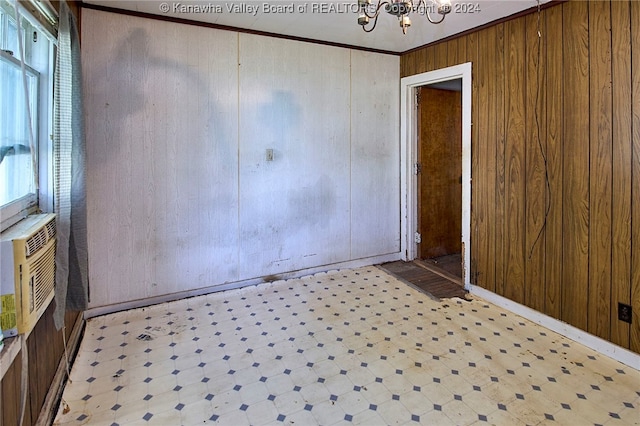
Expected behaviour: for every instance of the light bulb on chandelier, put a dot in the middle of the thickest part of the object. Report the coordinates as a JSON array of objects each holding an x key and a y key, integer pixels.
[{"x": 401, "y": 9}]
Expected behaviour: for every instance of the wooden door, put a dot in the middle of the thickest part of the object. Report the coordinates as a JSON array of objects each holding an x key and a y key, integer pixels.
[{"x": 440, "y": 176}]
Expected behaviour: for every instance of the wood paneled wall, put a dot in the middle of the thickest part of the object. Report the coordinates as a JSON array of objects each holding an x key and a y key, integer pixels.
[
  {"x": 45, "y": 347},
  {"x": 556, "y": 160},
  {"x": 181, "y": 193}
]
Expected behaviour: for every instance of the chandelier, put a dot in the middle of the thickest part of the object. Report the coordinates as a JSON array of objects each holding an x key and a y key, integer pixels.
[{"x": 401, "y": 9}]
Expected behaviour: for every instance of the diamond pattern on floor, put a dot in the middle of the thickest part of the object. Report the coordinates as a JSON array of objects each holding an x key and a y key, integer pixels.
[{"x": 349, "y": 346}]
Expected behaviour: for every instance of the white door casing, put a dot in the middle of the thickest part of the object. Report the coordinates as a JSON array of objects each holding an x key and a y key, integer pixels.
[{"x": 408, "y": 157}]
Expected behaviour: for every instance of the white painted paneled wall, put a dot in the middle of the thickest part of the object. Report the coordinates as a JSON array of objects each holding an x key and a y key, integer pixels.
[{"x": 181, "y": 195}]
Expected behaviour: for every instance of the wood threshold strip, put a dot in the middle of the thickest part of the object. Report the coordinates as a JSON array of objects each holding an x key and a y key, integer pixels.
[
  {"x": 425, "y": 280},
  {"x": 438, "y": 271},
  {"x": 230, "y": 28}
]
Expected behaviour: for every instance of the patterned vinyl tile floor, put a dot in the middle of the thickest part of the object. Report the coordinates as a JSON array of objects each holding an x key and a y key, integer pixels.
[{"x": 342, "y": 347}]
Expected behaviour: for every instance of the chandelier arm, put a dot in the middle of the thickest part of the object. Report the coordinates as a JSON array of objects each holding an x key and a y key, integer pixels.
[
  {"x": 375, "y": 22},
  {"x": 377, "y": 12},
  {"x": 431, "y": 20},
  {"x": 401, "y": 10}
]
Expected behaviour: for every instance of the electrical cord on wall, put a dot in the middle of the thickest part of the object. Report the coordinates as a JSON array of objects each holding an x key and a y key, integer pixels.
[
  {"x": 542, "y": 152},
  {"x": 66, "y": 352},
  {"x": 24, "y": 376}
]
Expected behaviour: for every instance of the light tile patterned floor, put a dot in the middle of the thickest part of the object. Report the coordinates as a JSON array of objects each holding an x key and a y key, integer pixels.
[{"x": 350, "y": 346}]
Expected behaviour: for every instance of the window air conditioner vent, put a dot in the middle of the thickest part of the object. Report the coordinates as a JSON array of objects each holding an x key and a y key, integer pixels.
[
  {"x": 27, "y": 260},
  {"x": 36, "y": 242}
]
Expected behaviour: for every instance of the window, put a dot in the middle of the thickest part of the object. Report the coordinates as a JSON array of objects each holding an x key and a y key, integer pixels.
[
  {"x": 25, "y": 116},
  {"x": 16, "y": 166}
]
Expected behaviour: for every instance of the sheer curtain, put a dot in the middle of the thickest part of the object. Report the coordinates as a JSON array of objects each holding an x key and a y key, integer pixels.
[{"x": 69, "y": 165}]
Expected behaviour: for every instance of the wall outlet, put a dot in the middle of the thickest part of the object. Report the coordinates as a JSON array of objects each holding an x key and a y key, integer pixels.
[{"x": 624, "y": 312}]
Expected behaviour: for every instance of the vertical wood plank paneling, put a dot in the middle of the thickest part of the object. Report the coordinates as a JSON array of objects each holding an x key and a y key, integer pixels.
[
  {"x": 45, "y": 349},
  {"x": 374, "y": 147},
  {"x": 429, "y": 58},
  {"x": 554, "y": 149},
  {"x": 37, "y": 368},
  {"x": 221, "y": 220},
  {"x": 119, "y": 246},
  {"x": 28, "y": 416},
  {"x": 147, "y": 173},
  {"x": 441, "y": 55},
  {"x": 410, "y": 63},
  {"x": 515, "y": 172},
  {"x": 472, "y": 56},
  {"x": 182, "y": 196},
  {"x": 46, "y": 361},
  {"x": 10, "y": 393},
  {"x": 162, "y": 204},
  {"x": 103, "y": 126},
  {"x": 486, "y": 165},
  {"x": 580, "y": 99},
  {"x": 600, "y": 190},
  {"x": 98, "y": 123},
  {"x": 635, "y": 206},
  {"x": 307, "y": 185},
  {"x": 208, "y": 96},
  {"x": 622, "y": 168},
  {"x": 414, "y": 64},
  {"x": 462, "y": 49},
  {"x": 143, "y": 217},
  {"x": 173, "y": 162},
  {"x": 407, "y": 64},
  {"x": 575, "y": 280},
  {"x": 536, "y": 184},
  {"x": 452, "y": 53},
  {"x": 500, "y": 162}
]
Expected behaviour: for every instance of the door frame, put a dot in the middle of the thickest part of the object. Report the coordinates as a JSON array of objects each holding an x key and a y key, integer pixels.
[{"x": 408, "y": 158}]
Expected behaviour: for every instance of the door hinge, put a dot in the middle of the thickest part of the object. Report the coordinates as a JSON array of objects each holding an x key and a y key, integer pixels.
[
  {"x": 417, "y": 168},
  {"x": 418, "y": 97},
  {"x": 417, "y": 238}
]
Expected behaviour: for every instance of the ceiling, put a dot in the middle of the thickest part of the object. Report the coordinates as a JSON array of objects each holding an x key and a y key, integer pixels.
[{"x": 329, "y": 21}]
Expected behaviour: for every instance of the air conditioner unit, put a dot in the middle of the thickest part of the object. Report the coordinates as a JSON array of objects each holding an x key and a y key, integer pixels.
[{"x": 27, "y": 281}]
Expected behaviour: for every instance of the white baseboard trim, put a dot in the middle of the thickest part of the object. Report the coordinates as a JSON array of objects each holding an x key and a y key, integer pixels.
[
  {"x": 589, "y": 340},
  {"x": 140, "y": 303}
]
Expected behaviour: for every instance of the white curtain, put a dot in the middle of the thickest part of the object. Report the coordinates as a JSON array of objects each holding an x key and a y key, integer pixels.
[{"x": 69, "y": 164}]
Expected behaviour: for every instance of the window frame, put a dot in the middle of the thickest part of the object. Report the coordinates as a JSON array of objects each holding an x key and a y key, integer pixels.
[{"x": 42, "y": 198}]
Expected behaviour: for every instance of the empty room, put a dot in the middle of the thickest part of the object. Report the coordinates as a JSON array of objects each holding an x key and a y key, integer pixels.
[{"x": 317, "y": 213}]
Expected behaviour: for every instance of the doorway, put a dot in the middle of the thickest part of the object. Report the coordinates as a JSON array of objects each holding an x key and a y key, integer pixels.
[
  {"x": 410, "y": 165},
  {"x": 439, "y": 155}
]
